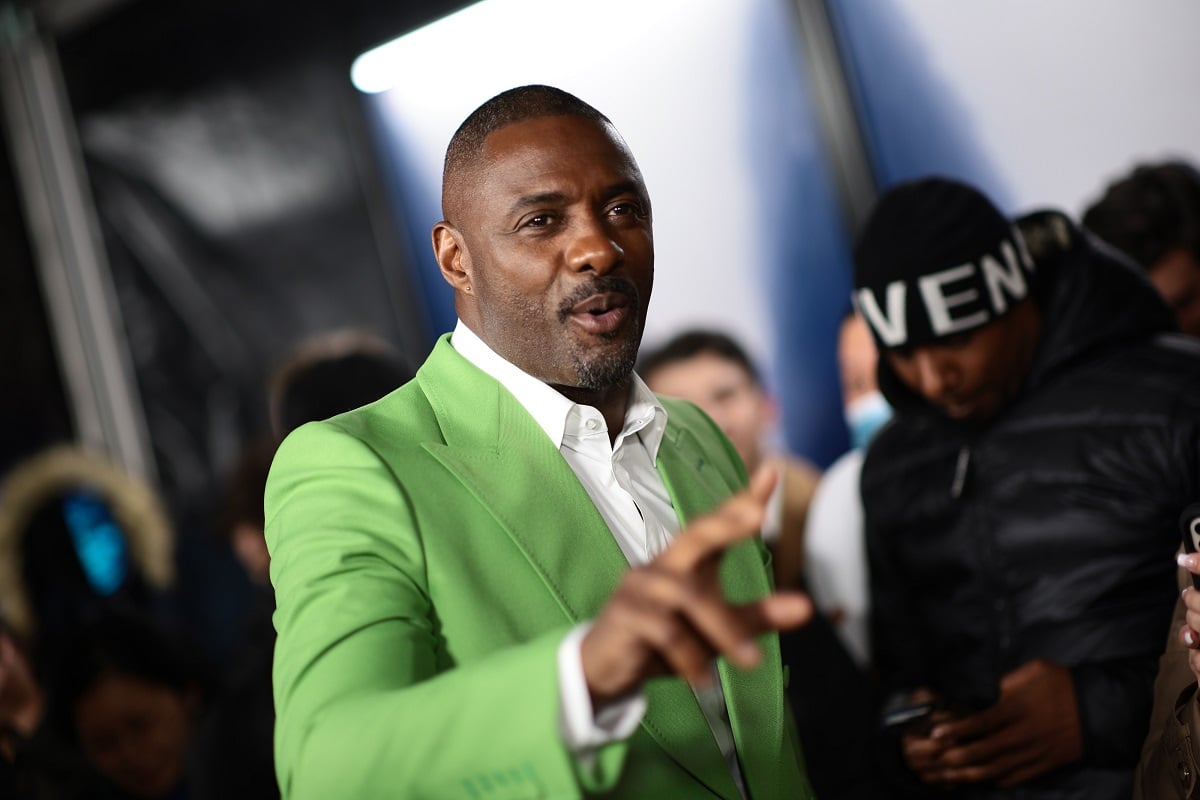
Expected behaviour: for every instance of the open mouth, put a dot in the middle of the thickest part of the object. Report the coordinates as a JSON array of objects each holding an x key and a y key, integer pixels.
[{"x": 601, "y": 313}]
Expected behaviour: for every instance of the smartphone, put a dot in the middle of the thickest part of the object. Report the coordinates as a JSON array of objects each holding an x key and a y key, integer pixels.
[
  {"x": 1189, "y": 532},
  {"x": 903, "y": 715}
]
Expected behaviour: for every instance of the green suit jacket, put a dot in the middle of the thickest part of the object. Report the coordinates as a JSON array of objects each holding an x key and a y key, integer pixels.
[{"x": 429, "y": 553}]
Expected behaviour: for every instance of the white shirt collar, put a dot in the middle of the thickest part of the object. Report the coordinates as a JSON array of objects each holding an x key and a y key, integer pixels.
[{"x": 644, "y": 414}]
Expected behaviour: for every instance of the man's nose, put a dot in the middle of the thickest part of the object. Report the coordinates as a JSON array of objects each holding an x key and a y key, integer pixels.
[
  {"x": 593, "y": 247},
  {"x": 934, "y": 375}
]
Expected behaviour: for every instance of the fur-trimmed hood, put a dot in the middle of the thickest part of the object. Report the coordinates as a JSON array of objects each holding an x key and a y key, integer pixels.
[{"x": 134, "y": 507}]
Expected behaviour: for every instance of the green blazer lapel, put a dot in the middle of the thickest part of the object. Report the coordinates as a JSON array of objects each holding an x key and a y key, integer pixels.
[
  {"x": 695, "y": 485},
  {"x": 754, "y": 698},
  {"x": 673, "y": 717},
  {"x": 509, "y": 465}
]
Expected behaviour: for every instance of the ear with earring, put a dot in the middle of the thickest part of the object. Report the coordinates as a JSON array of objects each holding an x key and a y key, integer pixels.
[{"x": 467, "y": 289}]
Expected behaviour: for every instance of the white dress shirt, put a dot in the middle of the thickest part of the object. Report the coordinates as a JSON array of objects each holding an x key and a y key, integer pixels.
[{"x": 621, "y": 480}]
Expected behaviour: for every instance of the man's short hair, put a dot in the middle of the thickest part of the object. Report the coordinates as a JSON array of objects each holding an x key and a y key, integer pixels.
[
  {"x": 692, "y": 343},
  {"x": 1149, "y": 212},
  {"x": 515, "y": 105}
]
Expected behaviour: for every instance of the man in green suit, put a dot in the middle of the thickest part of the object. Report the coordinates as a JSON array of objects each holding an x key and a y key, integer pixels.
[{"x": 515, "y": 577}]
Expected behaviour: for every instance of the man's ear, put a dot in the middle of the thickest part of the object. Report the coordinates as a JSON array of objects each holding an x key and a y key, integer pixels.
[{"x": 452, "y": 256}]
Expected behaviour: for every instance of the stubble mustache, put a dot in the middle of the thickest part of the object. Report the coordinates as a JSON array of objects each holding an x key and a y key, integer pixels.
[{"x": 602, "y": 285}]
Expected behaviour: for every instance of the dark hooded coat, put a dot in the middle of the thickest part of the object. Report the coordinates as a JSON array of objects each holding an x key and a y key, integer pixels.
[{"x": 1048, "y": 532}]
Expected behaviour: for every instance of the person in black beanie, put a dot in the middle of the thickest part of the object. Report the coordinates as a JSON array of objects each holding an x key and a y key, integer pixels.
[{"x": 1021, "y": 507}]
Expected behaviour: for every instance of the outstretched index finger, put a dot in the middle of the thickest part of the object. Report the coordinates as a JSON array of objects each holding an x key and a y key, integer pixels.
[{"x": 738, "y": 518}]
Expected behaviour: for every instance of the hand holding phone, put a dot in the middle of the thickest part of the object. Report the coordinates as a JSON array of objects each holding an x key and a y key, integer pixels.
[
  {"x": 905, "y": 710},
  {"x": 1189, "y": 532}
]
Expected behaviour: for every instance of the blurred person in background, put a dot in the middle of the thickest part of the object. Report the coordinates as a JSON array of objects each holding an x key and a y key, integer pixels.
[
  {"x": 835, "y": 547},
  {"x": 1021, "y": 507},
  {"x": 79, "y": 537},
  {"x": 1153, "y": 215},
  {"x": 129, "y": 694},
  {"x": 241, "y": 520},
  {"x": 329, "y": 373},
  {"x": 712, "y": 370},
  {"x": 1170, "y": 763},
  {"x": 34, "y": 763}
]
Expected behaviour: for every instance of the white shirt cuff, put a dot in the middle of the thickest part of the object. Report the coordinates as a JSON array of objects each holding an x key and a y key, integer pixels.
[{"x": 584, "y": 731}]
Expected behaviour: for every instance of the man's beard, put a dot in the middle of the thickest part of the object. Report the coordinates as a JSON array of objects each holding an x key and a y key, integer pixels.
[{"x": 608, "y": 369}]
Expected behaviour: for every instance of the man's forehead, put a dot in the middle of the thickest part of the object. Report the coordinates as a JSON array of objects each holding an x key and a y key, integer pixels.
[
  {"x": 551, "y": 141},
  {"x": 533, "y": 130},
  {"x": 532, "y": 156}
]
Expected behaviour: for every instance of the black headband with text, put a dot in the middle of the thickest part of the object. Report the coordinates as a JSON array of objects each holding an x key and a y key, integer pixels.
[{"x": 921, "y": 310}]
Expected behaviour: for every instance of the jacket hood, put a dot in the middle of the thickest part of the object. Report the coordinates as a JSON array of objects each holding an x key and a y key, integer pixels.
[
  {"x": 1089, "y": 296},
  {"x": 134, "y": 507}
]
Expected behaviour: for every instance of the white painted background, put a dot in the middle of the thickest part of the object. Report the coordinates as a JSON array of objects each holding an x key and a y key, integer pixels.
[{"x": 1066, "y": 95}]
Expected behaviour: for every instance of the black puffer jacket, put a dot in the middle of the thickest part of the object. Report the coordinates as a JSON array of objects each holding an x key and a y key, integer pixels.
[{"x": 1050, "y": 532}]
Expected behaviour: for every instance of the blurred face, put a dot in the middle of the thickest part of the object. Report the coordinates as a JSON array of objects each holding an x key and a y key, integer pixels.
[
  {"x": 857, "y": 359},
  {"x": 1177, "y": 278},
  {"x": 725, "y": 391},
  {"x": 976, "y": 374},
  {"x": 135, "y": 733},
  {"x": 551, "y": 251},
  {"x": 250, "y": 547}
]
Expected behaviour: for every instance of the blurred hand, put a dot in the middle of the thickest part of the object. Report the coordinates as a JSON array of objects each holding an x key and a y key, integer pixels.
[
  {"x": 1189, "y": 634},
  {"x": 670, "y": 616},
  {"x": 20, "y": 697},
  {"x": 921, "y": 752},
  {"x": 1032, "y": 728}
]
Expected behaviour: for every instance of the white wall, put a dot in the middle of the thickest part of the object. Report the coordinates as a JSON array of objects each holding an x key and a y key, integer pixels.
[{"x": 1067, "y": 95}]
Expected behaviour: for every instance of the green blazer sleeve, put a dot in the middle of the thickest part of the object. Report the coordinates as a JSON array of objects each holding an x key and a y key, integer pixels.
[{"x": 366, "y": 706}]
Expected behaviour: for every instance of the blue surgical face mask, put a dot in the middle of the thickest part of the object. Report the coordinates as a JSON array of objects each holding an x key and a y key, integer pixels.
[{"x": 865, "y": 416}]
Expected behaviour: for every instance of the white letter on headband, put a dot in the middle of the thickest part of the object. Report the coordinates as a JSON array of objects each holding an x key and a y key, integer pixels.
[{"x": 891, "y": 329}]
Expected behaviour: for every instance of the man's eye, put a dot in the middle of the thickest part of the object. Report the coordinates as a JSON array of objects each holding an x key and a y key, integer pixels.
[
  {"x": 625, "y": 208},
  {"x": 538, "y": 221}
]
